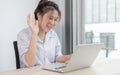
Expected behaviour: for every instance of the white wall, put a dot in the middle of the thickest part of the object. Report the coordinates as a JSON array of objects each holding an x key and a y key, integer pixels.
[{"x": 12, "y": 19}]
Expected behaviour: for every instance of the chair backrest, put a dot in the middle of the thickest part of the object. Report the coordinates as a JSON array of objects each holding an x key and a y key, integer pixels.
[{"x": 16, "y": 54}]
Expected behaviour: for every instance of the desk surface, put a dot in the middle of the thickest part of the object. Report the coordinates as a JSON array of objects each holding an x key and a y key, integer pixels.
[{"x": 106, "y": 67}]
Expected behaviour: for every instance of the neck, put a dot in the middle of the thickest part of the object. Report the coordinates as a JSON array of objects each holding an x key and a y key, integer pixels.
[{"x": 42, "y": 35}]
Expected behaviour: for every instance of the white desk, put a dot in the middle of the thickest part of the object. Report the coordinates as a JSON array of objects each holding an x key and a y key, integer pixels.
[{"x": 107, "y": 67}]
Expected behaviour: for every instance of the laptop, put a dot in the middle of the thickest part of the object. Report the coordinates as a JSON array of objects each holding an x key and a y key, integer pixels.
[{"x": 82, "y": 57}]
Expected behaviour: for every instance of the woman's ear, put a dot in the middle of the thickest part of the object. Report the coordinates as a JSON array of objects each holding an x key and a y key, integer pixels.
[{"x": 39, "y": 16}]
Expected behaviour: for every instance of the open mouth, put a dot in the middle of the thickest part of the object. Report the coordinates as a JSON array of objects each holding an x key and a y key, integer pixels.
[{"x": 49, "y": 27}]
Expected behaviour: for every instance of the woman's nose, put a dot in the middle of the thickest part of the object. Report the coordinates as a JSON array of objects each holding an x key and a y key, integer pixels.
[{"x": 52, "y": 22}]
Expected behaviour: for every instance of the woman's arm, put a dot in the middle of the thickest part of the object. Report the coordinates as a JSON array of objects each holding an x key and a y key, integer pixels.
[{"x": 30, "y": 55}]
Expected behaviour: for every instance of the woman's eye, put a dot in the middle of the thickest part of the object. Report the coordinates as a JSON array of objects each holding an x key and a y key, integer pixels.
[
  {"x": 55, "y": 20},
  {"x": 50, "y": 18}
]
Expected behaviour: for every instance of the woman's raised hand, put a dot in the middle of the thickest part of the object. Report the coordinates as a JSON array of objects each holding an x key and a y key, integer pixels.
[{"x": 33, "y": 24}]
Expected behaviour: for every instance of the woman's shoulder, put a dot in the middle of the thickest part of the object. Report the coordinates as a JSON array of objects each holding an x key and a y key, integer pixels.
[
  {"x": 53, "y": 33},
  {"x": 25, "y": 32}
]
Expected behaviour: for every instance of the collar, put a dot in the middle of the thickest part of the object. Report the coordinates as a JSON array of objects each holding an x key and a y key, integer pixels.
[{"x": 49, "y": 35}]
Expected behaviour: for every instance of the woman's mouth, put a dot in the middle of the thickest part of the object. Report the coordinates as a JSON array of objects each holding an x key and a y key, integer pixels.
[{"x": 49, "y": 27}]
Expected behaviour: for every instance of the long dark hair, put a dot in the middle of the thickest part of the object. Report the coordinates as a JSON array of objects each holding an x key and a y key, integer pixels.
[{"x": 44, "y": 6}]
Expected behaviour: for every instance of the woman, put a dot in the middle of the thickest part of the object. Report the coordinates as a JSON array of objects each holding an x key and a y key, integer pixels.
[{"x": 39, "y": 44}]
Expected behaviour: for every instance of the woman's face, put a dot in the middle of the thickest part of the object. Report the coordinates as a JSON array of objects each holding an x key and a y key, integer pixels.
[{"x": 48, "y": 20}]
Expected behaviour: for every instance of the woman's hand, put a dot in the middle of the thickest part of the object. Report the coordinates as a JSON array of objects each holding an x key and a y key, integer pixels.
[
  {"x": 64, "y": 58},
  {"x": 33, "y": 24}
]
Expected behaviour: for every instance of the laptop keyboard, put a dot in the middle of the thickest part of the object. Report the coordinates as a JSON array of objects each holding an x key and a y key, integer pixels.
[{"x": 58, "y": 66}]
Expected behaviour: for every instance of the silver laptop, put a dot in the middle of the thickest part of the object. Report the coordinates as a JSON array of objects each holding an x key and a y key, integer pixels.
[{"x": 83, "y": 56}]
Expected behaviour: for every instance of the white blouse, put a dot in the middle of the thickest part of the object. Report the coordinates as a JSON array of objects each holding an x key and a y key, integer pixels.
[{"x": 47, "y": 51}]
